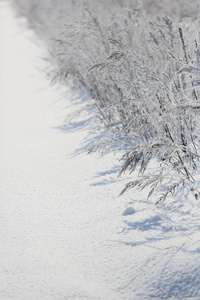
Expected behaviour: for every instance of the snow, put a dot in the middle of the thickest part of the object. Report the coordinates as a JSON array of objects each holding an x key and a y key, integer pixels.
[
  {"x": 65, "y": 233},
  {"x": 129, "y": 211}
]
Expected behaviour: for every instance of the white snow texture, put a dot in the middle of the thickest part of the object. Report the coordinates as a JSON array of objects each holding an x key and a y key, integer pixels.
[{"x": 64, "y": 232}]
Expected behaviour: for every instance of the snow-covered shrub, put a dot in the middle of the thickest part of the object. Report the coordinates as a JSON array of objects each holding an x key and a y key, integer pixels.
[
  {"x": 144, "y": 73},
  {"x": 152, "y": 100}
]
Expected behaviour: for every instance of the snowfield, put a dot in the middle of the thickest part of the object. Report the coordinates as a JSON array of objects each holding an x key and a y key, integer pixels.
[{"x": 64, "y": 232}]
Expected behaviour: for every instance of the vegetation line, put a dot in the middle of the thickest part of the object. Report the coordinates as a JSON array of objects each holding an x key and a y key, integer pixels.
[{"x": 141, "y": 64}]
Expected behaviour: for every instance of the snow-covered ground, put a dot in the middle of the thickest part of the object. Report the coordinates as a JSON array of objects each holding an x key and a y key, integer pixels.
[{"x": 64, "y": 232}]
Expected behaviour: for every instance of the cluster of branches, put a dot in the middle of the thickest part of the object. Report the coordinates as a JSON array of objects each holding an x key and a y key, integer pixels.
[{"x": 144, "y": 74}]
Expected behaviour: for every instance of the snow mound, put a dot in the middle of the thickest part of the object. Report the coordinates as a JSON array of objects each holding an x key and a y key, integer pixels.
[{"x": 129, "y": 211}]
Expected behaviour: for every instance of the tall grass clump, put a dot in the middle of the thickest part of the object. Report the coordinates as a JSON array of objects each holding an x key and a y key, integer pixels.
[
  {"x": 143, "y": 71},
  {"x": 152, "y": 103}
]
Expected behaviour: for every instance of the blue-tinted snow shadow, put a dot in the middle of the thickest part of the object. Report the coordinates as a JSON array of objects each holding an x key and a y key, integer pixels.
[
  {"x": 84, "y": 120},
  {"x": 80, "y": 116},
  {"x": 103, "y": 182},
  {"x": 107, "y": 177},
  {"x": 114, "y": 170},
  {"x": 87, "y": 143},
  {"x": 151, "y": 223},
  {"x": 146, "y": 223},
  {"x": 167, "y": 223},
  {"x": 152, "y": 230},
  {"x": 74, "y": 126},
  {"x": 163, "y": 240},
  {"x": 76, "y": 93}
]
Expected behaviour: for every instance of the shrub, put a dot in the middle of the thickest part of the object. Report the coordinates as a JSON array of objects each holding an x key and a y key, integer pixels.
[{"x": 143, "y": 71}]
